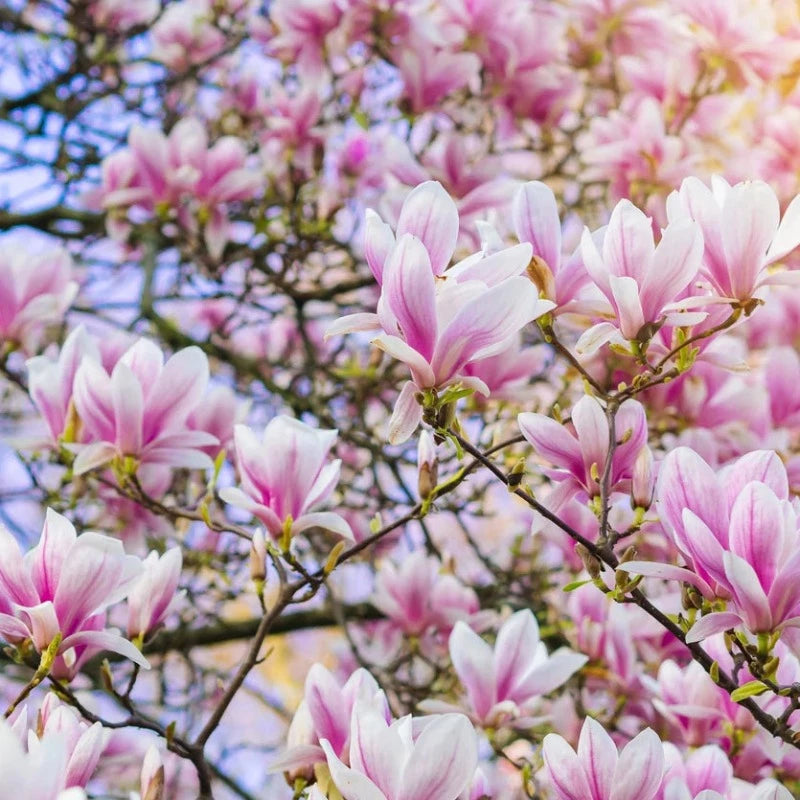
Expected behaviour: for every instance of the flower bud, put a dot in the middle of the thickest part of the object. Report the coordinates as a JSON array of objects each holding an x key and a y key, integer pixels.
[
  {"x": 643, "y": 479},
  {"x": 427, "y": 465},
  {"x": 152, "y": 776},
  {"x": 258, "y": 556}
]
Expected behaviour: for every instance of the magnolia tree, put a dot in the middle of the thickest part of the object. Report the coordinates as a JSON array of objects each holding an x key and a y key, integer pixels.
[{"x": 400, "y": 399}]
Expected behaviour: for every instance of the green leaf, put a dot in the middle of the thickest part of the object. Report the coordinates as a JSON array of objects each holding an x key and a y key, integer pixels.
[
  {"x": 571, "y": 587},
  {"x": 750, "y": 689}
]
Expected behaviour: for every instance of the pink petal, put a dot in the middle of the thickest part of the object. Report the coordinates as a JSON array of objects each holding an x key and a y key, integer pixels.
[
  {"x": 443, "y": 762},
  {"x": 711, "y": 624},
  {"x": 628, "y": 246},
  {"x": 378, "y": 243},
  {"x": 128, "y": 404},
  {"x": 625, "y": 294},
  {"x": 409, "y": 292},
  {"x": 750, "y": 599},
  {"x": 473, "y": 661},
  {"x": 787, "y": 237},
  {"x": 565, "y": 770},
  {"x": 430, "y": 214},
  {"x": 326, "y": 520},
  {"x": 598, "y": 753},
  {"x": 535, "y": 217},
  {"x": 352, "y": 785},
  {"x": 750, "y": 217},
  {"x": 640, "y": 768},
  {"x": 756, "y": 511},
  {"x": 407, "y": 415},
  {"x": 515, "y": 649},
  {"x": 552, "y": 440}
]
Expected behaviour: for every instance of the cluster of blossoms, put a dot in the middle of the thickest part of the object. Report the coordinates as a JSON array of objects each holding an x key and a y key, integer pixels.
[{"x": 407, "y": 391}]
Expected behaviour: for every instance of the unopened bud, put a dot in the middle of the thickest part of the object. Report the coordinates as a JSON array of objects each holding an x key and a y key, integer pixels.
[
  {"x": 258, "y": 556},
  {"x": 427, "y": 465},
  {"x": 515, "y": 476},
  {"x": 592, "y": 564},
  {"x": 152, "y": 776},
  {"x": 643, "y": 479}
]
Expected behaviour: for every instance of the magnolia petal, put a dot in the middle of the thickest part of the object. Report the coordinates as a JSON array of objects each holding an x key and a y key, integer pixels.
[
  {"x": 326, "y": 520},
  {"x": 406, "y": 416},
  {"x": 430, "y": 214},
  {"x": 668, "y": 572},
  {"x": 353, "y": 323},
  {"x": 712, "y": 623}
]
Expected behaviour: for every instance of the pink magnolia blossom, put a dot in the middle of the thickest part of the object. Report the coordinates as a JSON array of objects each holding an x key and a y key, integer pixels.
[
  {"x": 439, "y": 327},
  {"x": 185, "y": 34},
  {"x": 640, "y": 279},
  {"x": 181, "y": 172},
  {"x": 430, "y": 73},
  {"x": 325, "y": 714},
  {"x": 597, "y": 772},
  {"x": 505, "y": 683},
  {"x": 50, "y": 384},
  {"x": 139, "y": 411},
  {"x": 416, "y": 596},
  {"x": 85, "y": 743},
  {"x": 35, "y": 290},
  {"x": 742, "y": 230},
  {"x": 286, "y": 474},
  {"x": 396, "y": 762},
  {"x": 64, "y": 586},
  {"x": 301, "y": 27},
  {"x": 580, "y": 457},
  {"x": 739, "y": 532},
  {"x": 153, "y": 596},
  {"x": 36, "y": 769}
]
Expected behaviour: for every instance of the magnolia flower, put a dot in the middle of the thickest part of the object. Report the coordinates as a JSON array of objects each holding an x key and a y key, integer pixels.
[
  {"x": 597, "y": 772},
  {"x": 38, "y": 772},
  {"x": 742, "y": 230},
  {"x": 285, "y": 475},
  {"x": 396, "y": 762},
  {"x": 182, "y": 172},
  {"x": 85, "y": 742},
  {"x": 581, "y": 456},
  {"x": 35, "y": 290},
  {"x": 439, "y": 327},
  {"x": 640, "y": 279},
  {"x": 325, "y": 714},
  {"x": 140, "y": 410},
  {"x": 416, "y": 596},
  {"x": 430, "y": 73},
  {"x": 505, "y": 682},
  {"x": 740, "y": 534},
  {"x": 153, "y": 595},
  {"x": 64, "y": 586},
  {"x": 185, "y": 34}
]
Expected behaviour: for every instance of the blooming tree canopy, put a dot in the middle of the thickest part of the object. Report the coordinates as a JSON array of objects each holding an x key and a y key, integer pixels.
[{"x": 400, "y": 399}]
